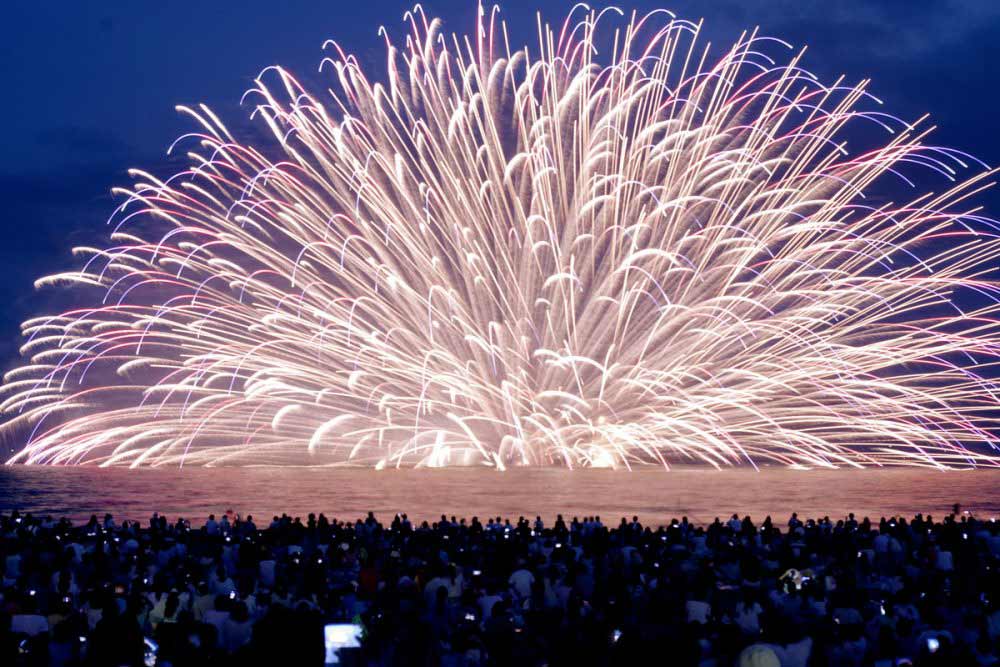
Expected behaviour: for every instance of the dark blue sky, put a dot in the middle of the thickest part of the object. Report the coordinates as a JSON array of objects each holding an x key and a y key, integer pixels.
[{"x": 91, "y": 87}]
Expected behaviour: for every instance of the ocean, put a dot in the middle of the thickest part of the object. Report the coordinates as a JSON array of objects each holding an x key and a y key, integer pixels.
[{"x": 654, "y": 495}]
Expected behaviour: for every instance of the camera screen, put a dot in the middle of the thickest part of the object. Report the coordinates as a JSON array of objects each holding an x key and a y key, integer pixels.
[{"x": 337, "y": 636}]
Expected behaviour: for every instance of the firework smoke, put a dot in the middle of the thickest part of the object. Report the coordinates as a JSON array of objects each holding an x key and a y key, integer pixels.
[{"x": 614, "y": 249}]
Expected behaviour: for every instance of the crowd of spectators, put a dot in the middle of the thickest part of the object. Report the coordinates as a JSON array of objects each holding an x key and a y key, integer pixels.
[{"x": 734, "y": 593}]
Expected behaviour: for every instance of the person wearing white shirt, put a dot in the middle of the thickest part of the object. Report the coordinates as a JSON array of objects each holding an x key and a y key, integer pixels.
[
  {"x": 944, "y": 561},
  {"x": 266, "y": 570},
  {"x": 217, "y": 615},
  {"x": 698, "y": 611},
  {"x": 486, "y": 602},
  {"x": 237, "y": 628},
  {"x": 29, "y": 624},
  {"x": 222, "y": 583},
  {"x": 430, "y": 590},
  {"x": 797, "y": 654},
  {"x": 203, "y": 602},
  {"x": 759, "y": 655},
  {"x": 747, "y": 613},
  {"x": 521, "y": 581},
  {"x": 13, "y": 568},
  {"x": 456, "y": 584}
]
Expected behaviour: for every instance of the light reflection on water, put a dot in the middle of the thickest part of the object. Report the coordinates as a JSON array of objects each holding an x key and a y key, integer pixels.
[{"x": 653, "y": 495}]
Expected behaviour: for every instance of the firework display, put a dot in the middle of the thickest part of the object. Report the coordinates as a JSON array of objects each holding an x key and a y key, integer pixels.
[{"x": 615, "y": 248}]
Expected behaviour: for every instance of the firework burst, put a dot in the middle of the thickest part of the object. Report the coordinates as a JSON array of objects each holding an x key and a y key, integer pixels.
[{"x": 615, "y": 249}]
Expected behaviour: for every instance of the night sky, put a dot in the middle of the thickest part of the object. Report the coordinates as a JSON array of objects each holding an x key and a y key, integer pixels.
[{"x": 91, "y": 88}]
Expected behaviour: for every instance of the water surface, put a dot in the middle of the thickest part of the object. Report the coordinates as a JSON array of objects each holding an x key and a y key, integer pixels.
[{"x": 654, "y": 495}]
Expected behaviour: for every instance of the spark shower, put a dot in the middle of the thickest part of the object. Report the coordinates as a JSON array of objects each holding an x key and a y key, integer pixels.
[{"x": 617, "y": 247}]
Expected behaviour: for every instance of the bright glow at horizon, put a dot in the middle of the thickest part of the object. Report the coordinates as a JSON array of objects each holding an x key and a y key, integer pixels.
[{"x": 614, "y": 249}]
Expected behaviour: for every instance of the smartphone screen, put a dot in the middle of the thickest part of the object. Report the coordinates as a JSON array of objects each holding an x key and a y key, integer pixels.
[{"x": 337, "y": 636}]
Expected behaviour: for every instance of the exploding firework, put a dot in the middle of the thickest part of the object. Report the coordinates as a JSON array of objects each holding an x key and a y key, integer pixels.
[{"x": 615, "y": 250}]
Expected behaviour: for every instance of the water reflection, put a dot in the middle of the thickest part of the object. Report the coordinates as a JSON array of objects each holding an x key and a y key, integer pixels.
[{"x": 653, "y": 495}]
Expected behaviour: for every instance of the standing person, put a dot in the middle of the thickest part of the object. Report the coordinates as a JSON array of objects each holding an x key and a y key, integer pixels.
[
  {"x": 521, "y": 581},
  {"x": 117, "y": 640},
  {"x": 237, "y": 628}
]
